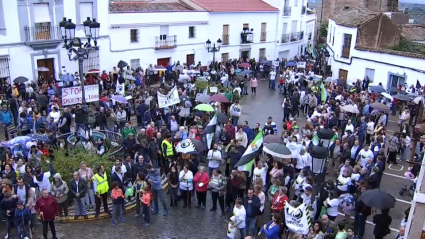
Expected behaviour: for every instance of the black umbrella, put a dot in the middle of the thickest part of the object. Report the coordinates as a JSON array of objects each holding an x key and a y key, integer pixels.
[
  {"x": 271, "y": 138},
  {"x": 20, "y": 79},
  {"x": 377, "y": 88},
  {"x": 394, "y": 90},
  {"x": 222, "y": 118},
  {"x": 278, "y": 150},
  {"x": 378, "y": 198},
  {"x": 379, "y": 106},
  {"x": 122, "y": 64},
  {"x": 401, "y": 97}
]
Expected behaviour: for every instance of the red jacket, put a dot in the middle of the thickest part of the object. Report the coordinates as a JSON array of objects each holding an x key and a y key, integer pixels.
[
  {"x": 204, "y": 178},
  {"x": 279, "y": 205},
  {"x": 48, "y": 206}
]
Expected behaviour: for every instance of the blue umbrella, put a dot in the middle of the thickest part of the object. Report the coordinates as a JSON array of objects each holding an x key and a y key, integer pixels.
[
  {"x": 377, "y": 88},
  {"x": 22, "y": 140},
  {"x": 67, "y": 78},
  {"x": 290, "y": 63},
  {"x": 40, "y": 137},
  {"x": 119, "y": 98}
]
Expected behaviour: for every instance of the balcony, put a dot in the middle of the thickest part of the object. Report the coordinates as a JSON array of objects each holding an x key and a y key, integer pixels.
[
  {"x": 263, "y": 36},
  {"x": 310, "y": 35},
  {"x": 165, "y": 42},
  {"x": 286, "y": 11},
  {"x": 44, "y": 36},
  {"x": 303, "y": 10},
  {"x": 296, "y": 36},
  {"x": 225, "y": 40},
  {"x": 247, "y": 37},
  {"x": 345, "y": 52},
  {"x": 285, "y": 38}
]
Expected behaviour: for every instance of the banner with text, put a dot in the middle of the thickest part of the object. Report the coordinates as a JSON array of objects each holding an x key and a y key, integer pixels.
[
  {"x": 91, "y": 93},
  {"x": 72, "y": 95},
  {"x": 169, "y": 99},
  {"x": 298, "y": 218}
]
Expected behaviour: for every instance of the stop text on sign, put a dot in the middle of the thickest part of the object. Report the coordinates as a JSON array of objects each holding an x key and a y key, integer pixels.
[{"x": 72, "y": 95}]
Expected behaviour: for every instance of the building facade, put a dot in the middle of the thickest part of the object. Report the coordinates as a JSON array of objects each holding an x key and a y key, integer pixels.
[
  {"x": 360, "y": 42},
  {"x": 154, "y": 32}
]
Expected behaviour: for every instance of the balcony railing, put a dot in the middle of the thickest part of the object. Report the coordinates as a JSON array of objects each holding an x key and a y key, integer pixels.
[
  {"x": 303, "y": 10},
  {"x": 225, "y": 40},
  {"x": 167, "y": 42},
  {"x": 345, "y": 52},
  {"x": 296, "y": 36},
  {"x": 287, "y": 11},
  {"x": 263, "y": 36},
  {"x": 42, "y": 33},
  {"x": 310, "y": 35},
  {"x": 247, "y": 37},
  {"x": 285, "y": 38}
]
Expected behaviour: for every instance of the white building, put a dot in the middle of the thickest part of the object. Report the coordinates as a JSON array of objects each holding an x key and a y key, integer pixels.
[
  {"x": 149, "y": 32},
  {"x": 360, "y": 42}
]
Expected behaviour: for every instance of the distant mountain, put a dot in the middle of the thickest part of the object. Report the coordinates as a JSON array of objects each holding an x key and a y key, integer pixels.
[{"x": 412, "y": 1}]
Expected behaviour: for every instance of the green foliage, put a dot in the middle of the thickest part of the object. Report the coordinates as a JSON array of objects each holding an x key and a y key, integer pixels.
[
  {"x": 324, "y": 30},
  {"x": 406, "y": 45},
  {"x": 202, "y": 85},
  {"x": 67, "y": 163}
]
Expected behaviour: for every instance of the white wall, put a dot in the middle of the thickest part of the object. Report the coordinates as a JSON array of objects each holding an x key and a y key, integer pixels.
[
  {"x": 12, "y": 24},
  {"x": 383, "y": 64}
]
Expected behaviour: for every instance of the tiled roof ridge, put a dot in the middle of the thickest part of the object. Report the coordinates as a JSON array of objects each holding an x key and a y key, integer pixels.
[{"x": 391, "y": 52}]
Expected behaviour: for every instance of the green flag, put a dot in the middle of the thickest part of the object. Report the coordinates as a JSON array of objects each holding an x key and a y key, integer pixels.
[{"x": 248, "y": 158}]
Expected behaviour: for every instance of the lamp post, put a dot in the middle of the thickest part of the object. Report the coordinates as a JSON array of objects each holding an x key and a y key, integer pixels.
[
  {"x": 214, "y": 48},
  {"x": 74, "y": 44},
  {"x": 319, "y": 155},
  {"x": 325, "y": 136}
]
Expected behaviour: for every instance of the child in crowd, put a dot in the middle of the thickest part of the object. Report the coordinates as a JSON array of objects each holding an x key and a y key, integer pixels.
[
  {"x": 146, "y": 198},
  {"x": 117, "y": 200},
  {"x": 273, "y": 189},
  {"x": 231, "y": 228},
  {"x": 22, "y": 219}
]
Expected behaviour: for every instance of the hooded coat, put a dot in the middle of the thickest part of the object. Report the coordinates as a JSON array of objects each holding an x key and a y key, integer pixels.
[{"x": 60, "y": 188}]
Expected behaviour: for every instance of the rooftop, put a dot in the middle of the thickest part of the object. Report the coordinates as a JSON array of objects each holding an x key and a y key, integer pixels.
[
  {"x": 148, "y": 6},
  {"x": 354, "y": 17},
  {"x": 391, "y": 52},
  {"x": 235, "y": 6},
  {"x": 413, "y": 32}
]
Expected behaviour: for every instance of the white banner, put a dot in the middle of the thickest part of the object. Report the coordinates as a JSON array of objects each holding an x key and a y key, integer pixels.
[
  {"x": 297, "y": 219},
  {"x": 120, "y": 88},
  {"x": 301, "y": 65},
  {"x": 171, "y": 98},
  {"x": 72, "y": 95},
  {"x": 91, "y": 93}
]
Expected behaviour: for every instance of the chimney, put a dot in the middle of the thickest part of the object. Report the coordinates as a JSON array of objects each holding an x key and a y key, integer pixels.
[{"x": 406, "y": 10}]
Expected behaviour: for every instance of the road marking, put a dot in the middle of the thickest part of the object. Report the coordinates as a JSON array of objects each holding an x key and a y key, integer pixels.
[
  {"x": 395, "y": 175},
  {"x": 403, "y": 201},
  {"x": 371, "y": 223},
  {"x": 402, "y": 167}
]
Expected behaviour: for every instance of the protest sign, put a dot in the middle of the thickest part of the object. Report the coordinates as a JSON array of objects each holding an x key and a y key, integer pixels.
[
  {"x": 72, "y": 95},
  {"x": 169, "y": 99},
  {"x": 297, "y": 219},
  {"x": 91, "y": 93}
]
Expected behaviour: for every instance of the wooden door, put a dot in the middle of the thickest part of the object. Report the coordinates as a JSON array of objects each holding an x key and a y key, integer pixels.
[
  {"x": 343, "y": 74},
  {"x": 49, "y": 64},
  {"x": 163, "y": 61},
  {"x": 190, "y": 58},
  {"x": 225, "y": 35}
]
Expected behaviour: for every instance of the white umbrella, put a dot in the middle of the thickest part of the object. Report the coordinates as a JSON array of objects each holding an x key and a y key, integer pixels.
[
  {"x": 350, "y": 109},
  {"x": 388, "y": 96},
  {"x": 130, "y": 77}
]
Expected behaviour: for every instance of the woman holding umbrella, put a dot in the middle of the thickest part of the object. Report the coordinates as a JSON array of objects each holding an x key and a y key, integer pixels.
[{"x": 382, "y": 224}]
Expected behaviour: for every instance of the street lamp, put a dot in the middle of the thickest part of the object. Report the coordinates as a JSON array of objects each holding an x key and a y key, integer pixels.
[
  {"x": 325, "y": 135},
  {"x": 214, "y": 48},
  {"x": 74, "y": 44},
  {"x": 319, "y": 155}
]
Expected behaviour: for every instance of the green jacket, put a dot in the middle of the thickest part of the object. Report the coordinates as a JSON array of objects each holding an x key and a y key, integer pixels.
[
  {"x": 341, "y": 235},
  {"x": 229, "y": 96},
  {"x": 126, "y": 131}
]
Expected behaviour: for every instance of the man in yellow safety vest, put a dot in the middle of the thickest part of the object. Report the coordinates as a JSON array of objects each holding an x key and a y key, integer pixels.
[
  {"x": 167, "y": 152},
  {"x": 101, "y": 189}
]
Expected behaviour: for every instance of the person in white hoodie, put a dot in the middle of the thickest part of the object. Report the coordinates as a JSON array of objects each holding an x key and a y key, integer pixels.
[{"x": 241, "y": 137}]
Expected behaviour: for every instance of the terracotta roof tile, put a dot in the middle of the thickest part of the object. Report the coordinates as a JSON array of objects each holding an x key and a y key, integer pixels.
[
  {"x": 235, "y": 5},
  {"x": 413, "y": 32},
  {"x": 391, "y": 52},
  {"x": 147, "y": 7},
  {"x": 354, "y": 17}
]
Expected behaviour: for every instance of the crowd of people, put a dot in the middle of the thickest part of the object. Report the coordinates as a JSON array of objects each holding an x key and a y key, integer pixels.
[{"x": 357, "y": 155}]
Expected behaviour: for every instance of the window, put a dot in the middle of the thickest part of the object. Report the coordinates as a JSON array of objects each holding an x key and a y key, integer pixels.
[
  {"x": 295, "y": 3},
  {"x": 263, "y": 31},
  {"x": 163, "y": 37},
  {"x": 41, "y": 13},
  {"x": 92, "y": 62},
  {"x": 134, "y": 35},
  {"x": 262, "y": 54},
  {"x": 191, "y": 32},
  {"x": 346, "y": 47},
  {"x": 225, "y": 35},
  {"x": 134, "y": 64},
  {"x": 2, "y": 22},
  {"x": 370, "y": 73},
  {"x": 330, "y": 34},
  {"x": 396, "y": 80},
  {"x": 333, "y": 37},
  {"x": 224, "y": 56},
  {"x": 4, "y": 69},
  {"x": 245, "y": 26},
  {"x": 86, "y": 10}
]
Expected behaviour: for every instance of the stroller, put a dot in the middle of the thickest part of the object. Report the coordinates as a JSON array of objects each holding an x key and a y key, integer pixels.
[{"x": 411, "y": 175}]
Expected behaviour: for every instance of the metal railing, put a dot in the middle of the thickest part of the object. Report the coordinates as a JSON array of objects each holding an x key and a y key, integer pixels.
[
  {"x": 296, "y": 36},
  {"x": 225, "y": 40},
  {"x": 303, "y": 9},
  {"x": 42, "y": 33},
  {"x": 167, "y": 42},
  {"x": 286, "y": 11},
  {"x": 310, "y": 35},
  {"x": 263, "y": 36},
  {"x": 285, "y": 38}
]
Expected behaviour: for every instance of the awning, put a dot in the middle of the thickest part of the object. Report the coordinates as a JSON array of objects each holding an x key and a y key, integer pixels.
[{"x": 41, "y": 13}]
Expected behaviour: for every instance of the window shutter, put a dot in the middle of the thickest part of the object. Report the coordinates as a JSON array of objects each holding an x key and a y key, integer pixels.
[{"x": 41, "y": 13}]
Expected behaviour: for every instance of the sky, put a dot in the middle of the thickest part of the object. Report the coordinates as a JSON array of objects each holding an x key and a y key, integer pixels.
[{"x": 412, "y": 1}]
